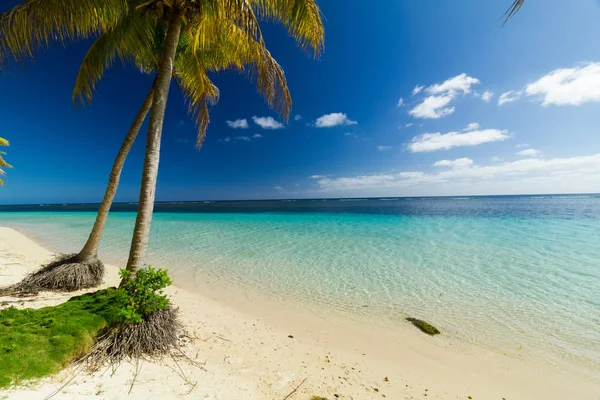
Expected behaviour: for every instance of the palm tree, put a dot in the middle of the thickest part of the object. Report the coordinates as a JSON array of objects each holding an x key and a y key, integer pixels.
[
  {"x": 302, "y": 17},
  {"x": 232, "y": 50},
  {"x": 136, "y": 39},
  {"x": 3, "y": 164}
]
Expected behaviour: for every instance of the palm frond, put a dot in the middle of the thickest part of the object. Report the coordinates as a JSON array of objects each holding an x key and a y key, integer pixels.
[
  {"x": 302, "y": 18},
  {"x": 131, "y": 41},
  {"x": 199, "y": 91},
  {"x": 36, "y": 23},
  {"x": 3, "y": 164},
  {"x": 513, "y": 9}
]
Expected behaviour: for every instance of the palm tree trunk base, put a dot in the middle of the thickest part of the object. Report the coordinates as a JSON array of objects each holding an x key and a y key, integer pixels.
[
  {"x": 156, "y": 336},
  {"x": 66, "y": 273}
]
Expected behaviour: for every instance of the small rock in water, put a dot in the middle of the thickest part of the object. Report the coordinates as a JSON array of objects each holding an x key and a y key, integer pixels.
[{"x": 424, "y": 326}]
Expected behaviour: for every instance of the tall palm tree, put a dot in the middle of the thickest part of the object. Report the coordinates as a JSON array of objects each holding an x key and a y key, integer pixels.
[
  {"x": 303, "y": 19},
  {"x": 190, "y": 73},
  {"x": 139, "y": 40},
  {"x": 3, "y": 164}
]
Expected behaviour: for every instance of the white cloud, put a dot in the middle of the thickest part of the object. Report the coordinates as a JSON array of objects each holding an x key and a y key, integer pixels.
[
  {"x": 333, "y": 119},
  {"x": 225, "y": 139},
  {"x": 472, "y": 126},
  {"x": 458, "y": 163},
  {"x": 437, "y": 141},
  {"x": 400, "y": 102},
  {"x": 509, "y": 97},
  {"x": 433, "y": 107},
  {"x": 349, "y": 134},
  {"x": 267, "y": 122},
  {"x": 384, "y": 148},
  {"x": 238, "y": 124},
  {"x": 278, "y": 188},
  {"x": 568, "y": 86},
  {"x": 529, "y": 153},
  {"x": 529, "y": 175},
  {"x": 521, "y": 145},
  {"x": 487, "y": 96},
  {"x": 441, "y": 94},
  {"x": 242, "y": 138},
  {"x": 418, "y": 89},
  {"x": 316, "y": 177},
  {"x": 496, "y": 159},
  {"x": 408, "y": 125},
  {"x": 297, "y": 117},
  {"x": 257, "y": 136},
  {"x": 459, "y": 84}
]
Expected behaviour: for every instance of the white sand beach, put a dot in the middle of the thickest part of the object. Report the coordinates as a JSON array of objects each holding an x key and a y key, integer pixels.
[{"x": 245, "y": 350}]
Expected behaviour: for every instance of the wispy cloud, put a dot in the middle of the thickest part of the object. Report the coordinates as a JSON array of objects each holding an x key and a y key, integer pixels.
[
  {"x": 568, "y": 86},
  {"x": 509, "y": 97},
  {"x": 316, "y": 177},
  {"x": 400, "y": 102},
  {"x": 418, "y": 89},
  {"x": 297, "y": 117},
  {"x": 436, "y": 105},
  {"x": 236, "y": 139},
  {"x": 384, "y": 148},
  {"x": 238, "y": 124},
  {"x": 472, "y": 126},
  {"x": 529, "y": 153},
  {"x": 459, "y": 84},
  {"x": 438, "y": 141},
  {"x": 433, "y": 107},
  {"x": 463, "y": 176},
  {"x": 278, "y": 188},
  {"x": 333, "y": 119},
  {"x": 267, "y": 122},
  {"x": 487, "y": 96},
  {"x": 458, "y": 163},
  {"x": 408, "y": 125}
]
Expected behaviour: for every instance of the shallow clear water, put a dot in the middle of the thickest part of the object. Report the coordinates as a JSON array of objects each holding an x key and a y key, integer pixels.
[{"x": 521, "y": 273}]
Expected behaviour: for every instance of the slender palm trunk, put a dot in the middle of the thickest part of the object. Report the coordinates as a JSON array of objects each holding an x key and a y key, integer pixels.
[
  {"x": 141, "y": 233},
  {"x": 90, "y": 249}
]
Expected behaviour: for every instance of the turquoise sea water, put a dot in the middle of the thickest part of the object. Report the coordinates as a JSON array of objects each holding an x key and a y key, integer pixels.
[{"x": 519, "y": 274}]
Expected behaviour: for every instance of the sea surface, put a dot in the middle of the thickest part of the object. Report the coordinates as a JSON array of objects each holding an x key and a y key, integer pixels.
[{"x": 520, "y": 274}]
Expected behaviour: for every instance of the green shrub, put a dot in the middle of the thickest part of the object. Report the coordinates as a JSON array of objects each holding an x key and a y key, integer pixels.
[{"x": 143, "y": 294}]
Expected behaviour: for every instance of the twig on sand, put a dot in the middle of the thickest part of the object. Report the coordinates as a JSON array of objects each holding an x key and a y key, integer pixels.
[
  {"x": 222, "y": 338},
  {"x": 294, "y": 391},
  {"x": 57, "y": 391},
  {"x": 138, "y": 368}
]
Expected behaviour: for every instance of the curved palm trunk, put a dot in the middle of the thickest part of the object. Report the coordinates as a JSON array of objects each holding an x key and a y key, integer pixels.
[
  {"x": 141, "y": 233},
  {"x": 90, "y": 249}
]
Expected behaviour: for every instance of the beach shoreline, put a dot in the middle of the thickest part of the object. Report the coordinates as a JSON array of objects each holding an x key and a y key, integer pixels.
[{"x": 256, "y": 350}]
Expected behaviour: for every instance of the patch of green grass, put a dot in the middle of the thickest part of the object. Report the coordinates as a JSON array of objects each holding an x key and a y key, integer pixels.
[
  {"x": 424, "y": 326},
  {"x": 37, "y": 343}
]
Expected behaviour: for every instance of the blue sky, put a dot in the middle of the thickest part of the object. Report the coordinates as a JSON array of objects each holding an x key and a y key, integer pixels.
[{"x": 351, "y": 137}]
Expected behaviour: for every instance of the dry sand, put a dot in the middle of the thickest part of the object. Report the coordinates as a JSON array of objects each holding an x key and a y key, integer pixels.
[{"x": 259, "y": 352}]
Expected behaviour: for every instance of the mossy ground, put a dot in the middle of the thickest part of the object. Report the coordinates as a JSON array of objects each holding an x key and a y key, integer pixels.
[{"x": 37, "y": 343}]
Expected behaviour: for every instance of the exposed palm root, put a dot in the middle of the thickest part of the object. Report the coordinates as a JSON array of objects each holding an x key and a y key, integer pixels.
[
  {"x": 66, "y": 273},
  {"x": 155, "y": 336}
]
